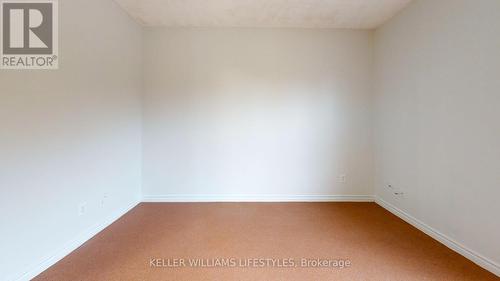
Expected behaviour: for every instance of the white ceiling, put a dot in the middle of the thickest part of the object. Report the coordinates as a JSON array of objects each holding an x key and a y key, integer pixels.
[{"x": 362, "y": 14}]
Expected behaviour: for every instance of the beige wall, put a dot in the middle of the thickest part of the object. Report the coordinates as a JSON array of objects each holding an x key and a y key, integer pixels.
[
  {"x": 256, "y": 112},
  {"x": 69, "y": 136},
  {"x": 437, "y": 80}
]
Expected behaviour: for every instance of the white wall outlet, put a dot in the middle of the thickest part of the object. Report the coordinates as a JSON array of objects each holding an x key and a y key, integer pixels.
[
  {"x": 82, "y": 208},
  {"x": 400, "y": 195},
  {"x": 341, "y": 178},
  {"x": 394, "y": 190},
  {"x": 104, "y": 199}
]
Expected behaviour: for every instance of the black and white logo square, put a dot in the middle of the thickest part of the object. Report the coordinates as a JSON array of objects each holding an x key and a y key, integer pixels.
[{"x": 29, "y": 38}]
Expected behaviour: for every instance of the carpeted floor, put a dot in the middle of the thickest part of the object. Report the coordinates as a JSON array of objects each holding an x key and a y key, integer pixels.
[{"x": 355, "y": 241}]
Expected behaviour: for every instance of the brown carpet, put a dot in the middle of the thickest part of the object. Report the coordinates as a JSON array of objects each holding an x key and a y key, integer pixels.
[{"x": 378, "y": 245}]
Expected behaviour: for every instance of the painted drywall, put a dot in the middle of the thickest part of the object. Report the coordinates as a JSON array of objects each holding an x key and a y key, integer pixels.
[
  {"x": 69, "y": 136},
  {"x": 256, "y": 112},
  {"x": 437, "y": 75}
]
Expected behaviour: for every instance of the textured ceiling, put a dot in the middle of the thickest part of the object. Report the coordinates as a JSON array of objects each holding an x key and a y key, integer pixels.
[{"x": 362, "y": 14}]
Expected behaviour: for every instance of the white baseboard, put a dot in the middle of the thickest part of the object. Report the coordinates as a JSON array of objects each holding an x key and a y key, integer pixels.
[
  {"x": 72, "y": 245},
  {"x": 447, "y": 241},
  {"x": 258, "y": 198}
]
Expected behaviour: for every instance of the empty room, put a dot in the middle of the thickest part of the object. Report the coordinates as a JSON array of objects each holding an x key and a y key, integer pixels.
[{"x": 152, "y": 140}]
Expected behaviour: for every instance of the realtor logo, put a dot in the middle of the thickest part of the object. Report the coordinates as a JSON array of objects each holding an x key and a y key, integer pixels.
[{"x": 29, "y": 34}]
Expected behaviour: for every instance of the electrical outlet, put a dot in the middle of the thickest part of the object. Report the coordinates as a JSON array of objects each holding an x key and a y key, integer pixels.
[
  {"x": 82, "y": 208},
  {"x": 394, "y": 190},
  {"x": 341, "y": 179},
  {"x": 104, "y": 199},
  {"x": 397, "y": 191},
  {"x": 399, "y": 194}
]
